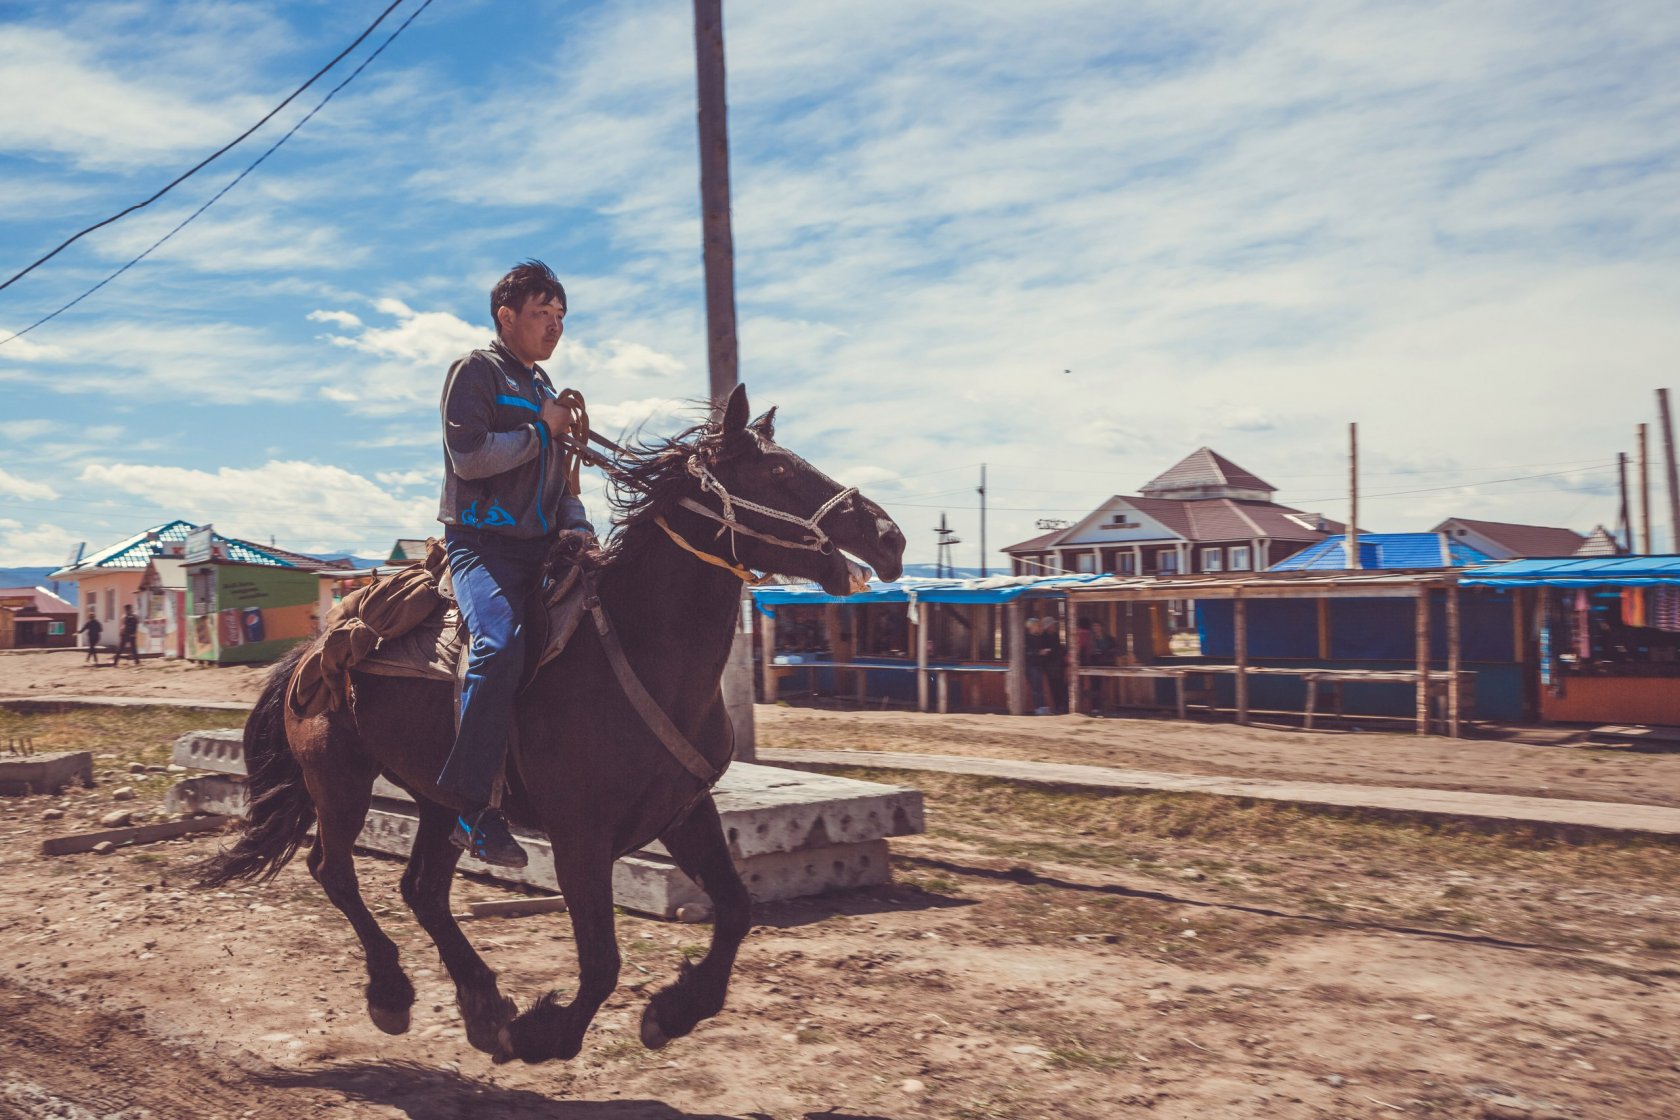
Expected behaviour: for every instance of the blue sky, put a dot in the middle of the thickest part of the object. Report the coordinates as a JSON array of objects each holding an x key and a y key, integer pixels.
[{"x": 1072, "y": 240}]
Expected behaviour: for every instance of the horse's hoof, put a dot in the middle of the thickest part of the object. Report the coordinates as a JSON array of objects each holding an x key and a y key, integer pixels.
[
  {"x": 503, "y": 1053},
  {"x": 652, "y": 1036},
  {"x": 389, "y": 1020}
]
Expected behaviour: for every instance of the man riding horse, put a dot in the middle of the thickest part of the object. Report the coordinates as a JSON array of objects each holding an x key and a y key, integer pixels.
[{"x": 506, "y": 495}]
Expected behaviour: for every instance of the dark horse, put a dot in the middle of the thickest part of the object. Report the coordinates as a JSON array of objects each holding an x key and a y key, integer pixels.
[{"x": 586, "y": 770}]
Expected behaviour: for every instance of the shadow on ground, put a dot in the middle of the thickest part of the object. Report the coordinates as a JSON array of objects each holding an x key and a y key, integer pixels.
[{"x": 426, "y": 1093}]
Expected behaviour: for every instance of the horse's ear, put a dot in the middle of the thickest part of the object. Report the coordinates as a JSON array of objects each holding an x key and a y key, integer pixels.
[
  {"x": 735, "y": 412},
  {"x": 765, "y": 425}
]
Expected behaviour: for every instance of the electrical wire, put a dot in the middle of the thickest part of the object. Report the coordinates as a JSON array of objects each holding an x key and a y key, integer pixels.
[
  {"x": 236, "y": 180},
  {"x": 201, "y": 164}
]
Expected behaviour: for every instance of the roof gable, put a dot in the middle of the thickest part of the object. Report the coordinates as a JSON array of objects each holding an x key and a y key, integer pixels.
[
  {"x": 1517, "y": 540},
  {"x": 1205, "y": 473}
]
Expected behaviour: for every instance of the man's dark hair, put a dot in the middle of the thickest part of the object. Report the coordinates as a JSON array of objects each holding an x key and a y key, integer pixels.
[{"x": 526, "y": 279}]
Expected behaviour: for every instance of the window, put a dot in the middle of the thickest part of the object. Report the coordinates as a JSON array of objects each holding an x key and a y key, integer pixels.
[
  {"x": 110, "y": 602},
  {"x": 1166, "y": 563},
  {"x": 1121, "y": 521},
  {"x": 1085, "y": 563},
  {"x": 1127, "y": 565},
  {"x": 1213, "y": 559},
  {"x": 1240, "y": 560},
  {"x": 56, "y": 629}
]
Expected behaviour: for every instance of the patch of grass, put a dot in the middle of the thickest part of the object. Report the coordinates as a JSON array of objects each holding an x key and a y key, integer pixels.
[
  {"x": 133, "y": 734},
  {"x": 1661, "y": 944},
  {"x": 1456, "y": 890},
  {"x": 692, "y": 952},
  {"x": 1074, "y": 1054}
]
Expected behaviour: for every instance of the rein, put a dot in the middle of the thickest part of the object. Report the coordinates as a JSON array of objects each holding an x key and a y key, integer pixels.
[{"x": 815, "y": 539}]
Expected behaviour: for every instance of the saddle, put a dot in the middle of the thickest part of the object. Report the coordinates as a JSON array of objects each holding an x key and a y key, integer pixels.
[{"x": 409, "y": 625}]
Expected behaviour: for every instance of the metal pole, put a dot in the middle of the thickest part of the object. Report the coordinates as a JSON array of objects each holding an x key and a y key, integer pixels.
[
  {"x": 982, "y": 521},
  {"x": 721, "y": 354},
  {"x": 1624, "y": 519},
  {"x": 1673, "y": 483}
]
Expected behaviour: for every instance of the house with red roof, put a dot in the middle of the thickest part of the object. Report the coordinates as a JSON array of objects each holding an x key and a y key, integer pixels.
[
  {"x": 1504, "y": 540},
  {"x": 1204, "y": 514},
  {"x": 35, "y": 618}
]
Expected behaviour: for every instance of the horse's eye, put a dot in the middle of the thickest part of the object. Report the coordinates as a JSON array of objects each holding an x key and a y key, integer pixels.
[{"x": 778, "y": 470}]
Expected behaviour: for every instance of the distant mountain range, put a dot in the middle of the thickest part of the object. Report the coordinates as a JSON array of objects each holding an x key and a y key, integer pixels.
[{"x": 35, "y": 577}]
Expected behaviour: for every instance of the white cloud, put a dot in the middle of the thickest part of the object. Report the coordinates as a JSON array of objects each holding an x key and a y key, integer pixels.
[
  {"x": 11, "y": 486},
  {"x": 34, "y": 545},
  {"x": 341, "y": 319},
  {"x": 307, "y": 507}
]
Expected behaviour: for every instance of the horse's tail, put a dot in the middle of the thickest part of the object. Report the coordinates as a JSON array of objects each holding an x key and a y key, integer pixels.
[{"x": 281, "y": 809}]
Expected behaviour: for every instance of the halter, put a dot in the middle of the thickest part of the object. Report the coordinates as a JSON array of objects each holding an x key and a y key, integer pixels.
[{"x": 815, "y": 539}]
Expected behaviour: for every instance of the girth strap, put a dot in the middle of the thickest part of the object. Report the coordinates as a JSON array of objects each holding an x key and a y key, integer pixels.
[{"x": 646, "y": 706}]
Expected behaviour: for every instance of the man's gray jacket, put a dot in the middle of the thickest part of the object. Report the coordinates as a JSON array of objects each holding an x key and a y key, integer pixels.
[{"x": 500, "y": 473}]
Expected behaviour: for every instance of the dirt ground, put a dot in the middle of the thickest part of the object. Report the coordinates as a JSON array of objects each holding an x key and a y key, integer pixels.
[
  {"x": 1039, "y": 955},
  {"x": 1370, "y": 758}
]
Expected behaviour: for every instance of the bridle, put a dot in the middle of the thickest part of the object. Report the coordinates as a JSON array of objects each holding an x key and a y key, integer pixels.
[{"x": 814, "y": 540}]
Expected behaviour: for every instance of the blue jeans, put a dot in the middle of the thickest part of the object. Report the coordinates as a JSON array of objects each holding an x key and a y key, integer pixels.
[{"x": 495, "y": 578}]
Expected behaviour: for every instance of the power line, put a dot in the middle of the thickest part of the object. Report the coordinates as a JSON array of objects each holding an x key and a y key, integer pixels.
[
  {"x": 201, "y": 164},
  {"x": 236, "y": 180}
]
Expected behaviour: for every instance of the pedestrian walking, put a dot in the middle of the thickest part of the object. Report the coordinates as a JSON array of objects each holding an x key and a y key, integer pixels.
[
  {"x": 93, "y": 629},
  {"x": 128, "y": 637}
]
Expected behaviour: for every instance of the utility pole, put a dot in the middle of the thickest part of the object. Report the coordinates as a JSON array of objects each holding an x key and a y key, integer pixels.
[
  {"x": 1624, "y": 520},
  {"x": 722, "y": 357},
  {"x": 1673, "y": 483},
  {"x": 1352, "y": 535},
  {"x": 1644, "y": 493},
  {"x": 942, "y": 560},
  {"x": 983, "y": 521}
]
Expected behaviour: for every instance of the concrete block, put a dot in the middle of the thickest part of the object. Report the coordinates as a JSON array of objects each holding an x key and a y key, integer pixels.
[
  {"x": 46, "y": 772},
  {"x": 764, "y": 809},
  {"x": 643, "y": 882}
]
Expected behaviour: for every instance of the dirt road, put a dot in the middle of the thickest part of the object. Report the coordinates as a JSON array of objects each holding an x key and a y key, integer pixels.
[{"x": 1041, "y": 955}]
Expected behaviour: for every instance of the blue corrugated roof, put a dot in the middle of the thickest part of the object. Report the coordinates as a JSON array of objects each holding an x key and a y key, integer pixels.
[
  {"x": 1380, "y": 551},
  {"x": 139, "y": 550},
  {"x": 997, "y": 589},
  {"x": 1582, "y": 571}
]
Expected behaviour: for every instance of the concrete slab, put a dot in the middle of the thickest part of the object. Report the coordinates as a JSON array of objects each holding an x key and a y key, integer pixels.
[
  {"x": 643, "y": 882},
  {"x": 765, "y": 809},
  {"x": 45, "y": 772}
]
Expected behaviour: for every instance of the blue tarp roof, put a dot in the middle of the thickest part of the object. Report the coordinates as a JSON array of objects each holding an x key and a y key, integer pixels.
[
  {"x": 1581, "y": 571},
  {"x": 997, "y": 589},
  {"x": 1379, "y": 551}
]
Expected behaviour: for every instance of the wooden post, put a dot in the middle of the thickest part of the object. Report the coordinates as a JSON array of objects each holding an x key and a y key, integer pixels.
[
  {"x": 1644, "y": 493},
  {"x": 1423, "y": 661},
  {"x": 944, "y": 691},
  {"x": 1673, "y": 482},
  {"x": 1240, "y": 611},
  {"x": 719, "y": 241},
  {"x": 1453, "y": 656},
  {"x": 1015, "y": 639},
  {"x": 1324, "y": 629},
  {"x": 1351, "y": 538},
  {"x": 922, "y": 611},
  {"x": 1072, "y": 658},
  {"x": 767, "y": 640}
]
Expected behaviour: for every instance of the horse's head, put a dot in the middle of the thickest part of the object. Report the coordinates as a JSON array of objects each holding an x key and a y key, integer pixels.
[{"x": 780, "y": 514}]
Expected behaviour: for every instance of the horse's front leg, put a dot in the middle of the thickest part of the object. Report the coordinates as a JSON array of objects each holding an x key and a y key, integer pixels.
[
  {"x": 551, "y": 1029},
  {"x": 699, "y": 848}
]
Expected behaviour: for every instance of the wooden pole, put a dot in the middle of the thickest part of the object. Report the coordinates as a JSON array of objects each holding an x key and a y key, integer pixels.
[
  {"x": 1352, "y": 535},
  {"x": 721, "y": 354},
  {"x": 1016, "y": 637},
  {"x": 1072, "y": 659},
  {"x": 1454, "y": 656},
  {"x": 767, "y": 642},
  {"x": 1644, "y": 493},
  {"x": 1423, "y": 661},
  {"x": 921, "y": 632},
  {"x": 1240, "y": 612},
  {"x": 1624, "y": 519},
  {"x": 1668, "y": 454}
]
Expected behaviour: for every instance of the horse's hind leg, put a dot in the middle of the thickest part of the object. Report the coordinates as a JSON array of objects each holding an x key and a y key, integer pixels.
[
  {"x": 342, "y": 798},
  {"x": 425, "y": 887},
  {"x": 698, "y": 847}
]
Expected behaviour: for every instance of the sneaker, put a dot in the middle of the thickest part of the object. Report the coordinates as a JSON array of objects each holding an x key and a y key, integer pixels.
[{"x": 484, "y": 835}]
